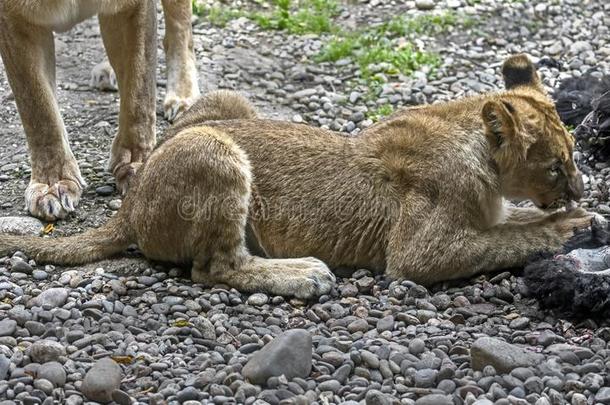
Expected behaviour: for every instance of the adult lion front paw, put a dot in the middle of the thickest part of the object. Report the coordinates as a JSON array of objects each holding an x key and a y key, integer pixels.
[
  {"x": 125, "y": 163},
  {"x": 174, "y": 106},
  {"x": 54, "y": 201},
  {"x": 182, "y": 88}
]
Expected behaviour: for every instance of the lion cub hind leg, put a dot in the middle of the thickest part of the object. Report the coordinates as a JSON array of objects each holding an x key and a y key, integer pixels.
[{"x": 303, "y": 278}]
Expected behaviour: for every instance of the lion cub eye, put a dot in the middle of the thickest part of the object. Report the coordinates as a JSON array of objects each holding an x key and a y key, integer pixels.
[{"x": 555, "y": 169}]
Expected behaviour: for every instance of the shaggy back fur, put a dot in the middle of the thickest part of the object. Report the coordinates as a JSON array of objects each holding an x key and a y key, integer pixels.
[
  {"x": 575, "y": 95},
  {"x": 557, "y": 283}
]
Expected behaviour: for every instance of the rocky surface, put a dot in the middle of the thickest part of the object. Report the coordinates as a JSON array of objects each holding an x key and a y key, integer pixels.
[{"x": 374, "y": 340}]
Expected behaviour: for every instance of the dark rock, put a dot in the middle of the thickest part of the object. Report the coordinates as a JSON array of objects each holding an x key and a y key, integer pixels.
[{"x": 289, "y": 354}]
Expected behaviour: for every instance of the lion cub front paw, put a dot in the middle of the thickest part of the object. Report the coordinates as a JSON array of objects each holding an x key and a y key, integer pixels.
[{"x": 568, "y": 223}]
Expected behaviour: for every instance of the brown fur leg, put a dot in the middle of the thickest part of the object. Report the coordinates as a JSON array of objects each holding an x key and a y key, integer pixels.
[
  {"x": 29, "y": 58},
  {"x": 426, "y": 259},
  {"x": 182, "y": 86},
  {"x": 303, "y": 277},
  {"x": 130, "y": 41},
  {"x": 523, "y": 215}
]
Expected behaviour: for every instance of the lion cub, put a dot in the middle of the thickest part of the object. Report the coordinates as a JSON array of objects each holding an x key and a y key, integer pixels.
[{"x": 419, "y": 195}]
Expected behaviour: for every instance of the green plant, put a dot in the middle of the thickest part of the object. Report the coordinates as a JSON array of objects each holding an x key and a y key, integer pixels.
[
  {"x": 307, "y": 17},
  {"x": 338, "y": 47},
  {"x": 380, "y": 112},
  {"x": 218, "y": 16},
  {"x": 375, "y": 47}
]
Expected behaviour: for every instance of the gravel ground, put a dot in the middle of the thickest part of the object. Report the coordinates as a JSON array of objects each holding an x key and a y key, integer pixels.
[{"x": 372, "y": 340}]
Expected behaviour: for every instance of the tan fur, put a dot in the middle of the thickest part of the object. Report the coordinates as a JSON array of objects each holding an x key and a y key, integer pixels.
[
  {"x": 128, "y": 29},
  {"x": 419, "y": 195}
]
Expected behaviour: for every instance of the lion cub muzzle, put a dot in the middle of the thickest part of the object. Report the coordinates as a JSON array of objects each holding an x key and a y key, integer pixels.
[
  {"x": 572, "y": 190},
  {"x": 576, "y": 186}
]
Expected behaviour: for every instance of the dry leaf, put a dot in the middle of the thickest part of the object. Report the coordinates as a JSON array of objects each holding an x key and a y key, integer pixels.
[
  {"x": 48, "y": 229},
  {"x": 126, "y": 360}
]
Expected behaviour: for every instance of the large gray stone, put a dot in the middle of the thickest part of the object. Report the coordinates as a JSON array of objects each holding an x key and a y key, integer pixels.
[
  {"x": 603, "y": 396},
  {"x": 7, "y": 327},
  {"x": 289, "y": 354},
  {"x": 101, "y": 380},
  {"x": 53, "y": 372},
  {"x": 434, "y": 399},
  {"x": 424, "y": 4},
  {"x": 374, "y": 397},
  {"x": 503, "y": 356},
  {"x": 20, "y": 225},
  {"x": 53, "y": 297},
  {"x": 5, "y": 365},
  {"x": 44, "y": 351}
]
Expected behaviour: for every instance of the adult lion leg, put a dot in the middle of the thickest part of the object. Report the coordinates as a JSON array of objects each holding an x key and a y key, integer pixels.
[
  {"x": 28, "y": 53},
  {"x": 130, "y": 41},
  {"x": 182, "y": 87},
  {"x": 441, "y": 251}
]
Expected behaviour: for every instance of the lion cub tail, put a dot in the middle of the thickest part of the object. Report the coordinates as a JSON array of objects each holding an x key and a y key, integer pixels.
[{"x": 92, "y": 245}]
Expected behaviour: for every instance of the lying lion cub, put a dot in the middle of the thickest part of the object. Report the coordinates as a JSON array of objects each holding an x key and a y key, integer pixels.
[{"x": 419, "y": 194}]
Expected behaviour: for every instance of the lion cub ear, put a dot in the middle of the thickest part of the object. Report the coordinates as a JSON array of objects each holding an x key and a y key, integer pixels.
[
  {"x": 518, "y": 70},
  {"x": 508, "y": 143}
]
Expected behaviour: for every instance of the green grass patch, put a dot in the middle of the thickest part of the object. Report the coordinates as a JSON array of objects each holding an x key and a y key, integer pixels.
[
  {"x": 380, "y": 112},
  {"x": 382, "y": 45},
  {"x": 386, "y": 49},
  {"x": 338, "y": 47},
  {"x": 426, "y": 24},
  {"x": 302, "y": 17},
  {"x": 216, "y": 15}
]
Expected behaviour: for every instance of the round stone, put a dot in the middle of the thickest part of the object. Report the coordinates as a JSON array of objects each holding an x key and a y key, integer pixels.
[
  {"x": 54, "y": 372},
  {"x": 258, "y": 299}
]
